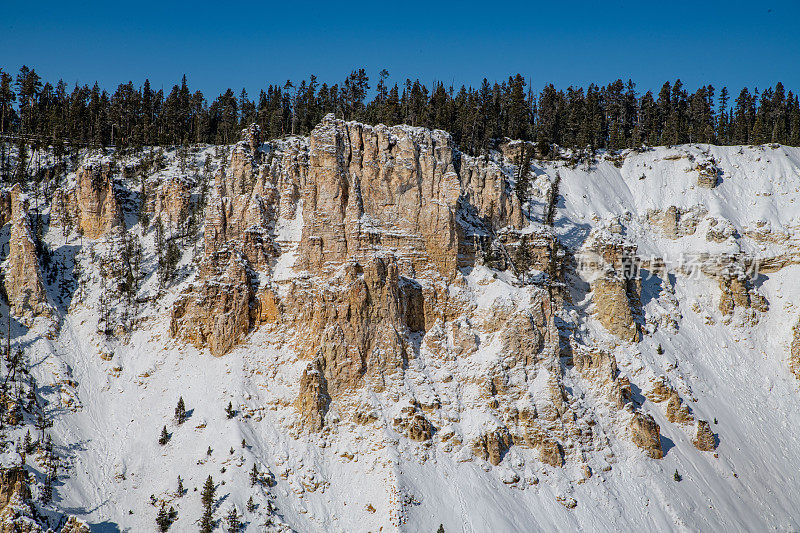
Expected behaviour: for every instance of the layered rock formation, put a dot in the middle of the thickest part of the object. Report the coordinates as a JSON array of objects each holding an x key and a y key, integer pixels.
[{"x": 398, "y": 188}]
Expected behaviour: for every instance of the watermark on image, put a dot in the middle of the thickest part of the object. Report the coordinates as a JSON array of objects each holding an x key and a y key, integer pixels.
[{"x": 690, "y": 265}]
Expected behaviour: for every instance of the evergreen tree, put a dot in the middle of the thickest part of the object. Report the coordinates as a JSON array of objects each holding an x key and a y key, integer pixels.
[
  {"x": 232, "y": 521},
  {"x": 164, "y": 438},
  {"x": 180, "y": 411},
  {"x": 162, "y": 519},
  {"x": 229, "y": 411},
  {"x": 522, "y": 258},
  {"x": 523, "y": 174},
  {"x": 255, "y": 477},
  {"x": 207, "y": 499}
]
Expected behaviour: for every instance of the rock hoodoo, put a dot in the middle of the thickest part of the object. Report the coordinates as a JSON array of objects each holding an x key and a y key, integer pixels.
[{"x": 23, "y": 279}]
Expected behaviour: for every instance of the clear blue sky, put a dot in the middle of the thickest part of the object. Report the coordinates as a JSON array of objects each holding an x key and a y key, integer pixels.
[{"x": 228, "y": 44}]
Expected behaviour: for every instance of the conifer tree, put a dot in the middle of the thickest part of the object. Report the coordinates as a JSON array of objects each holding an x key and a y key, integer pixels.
[
  {"x": 180, "y": 411},
  {"x": 207, "y": 499},
  {"x": 522, "y": 259},
  {"x": 162, "y": 519},
  {"x": 233, "y": 523}
]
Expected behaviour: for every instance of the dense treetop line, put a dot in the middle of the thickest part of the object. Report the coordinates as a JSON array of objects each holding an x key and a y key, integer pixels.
[{"x": 612, "y": 117}]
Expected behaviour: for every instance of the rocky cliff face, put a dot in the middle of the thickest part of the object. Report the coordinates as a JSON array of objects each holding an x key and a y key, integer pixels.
[
  {"x": 389, "y": 215},
  {"x": 380, "y": 307},
  {"x": 399, "y": 188},
  {"x": 217, "y": 311}
]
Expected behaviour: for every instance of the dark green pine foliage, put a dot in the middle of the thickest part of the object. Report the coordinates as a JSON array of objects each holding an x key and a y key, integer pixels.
[
  {"x": 207, "y": 499},
  {"x": 614, "y": 116},
  {"x": 180, "y": 411}
]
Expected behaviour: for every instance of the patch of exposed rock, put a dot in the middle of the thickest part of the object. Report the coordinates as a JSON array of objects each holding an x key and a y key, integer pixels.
[
  {"x": 708, "y": 173},
  {"x": 794, "y": 354},
  {"x": 676, "y": 222},
  {"x": 17, "y": 515},
  {"x": 354, "y": 327},
  {"x": 736, "y": 286},
  {"x": 492, "y": 446},
  {"x": 171, "y": 200}
]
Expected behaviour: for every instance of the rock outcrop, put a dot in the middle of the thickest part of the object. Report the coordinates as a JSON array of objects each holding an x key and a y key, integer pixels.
[
  {"x": 492, "y": 446},
  {"x": 612, "y": 268},
  {"x": 794, "y": 354},
  {"x": 354, "y": 328},
  {"x": 171, "y": 200},
  {"x": 677, "y": 222},
  {"x": 736, "y": 286},
  {"x": 708, "y": 173},
  {"x": 704, "y": 439},
  {"x": 646, "y": 434},
  {"x": 91, "y": 205},
  {"x": 371, "y": 189},
  {"x": 17, "y": 515},
  {"x": 98, "y": 209},
  {"x": 13, "y": 484},
  {"x": 312, "y": 400},
  {"x": 23, "y": 279},
  {"x": 217, "y": 311}
]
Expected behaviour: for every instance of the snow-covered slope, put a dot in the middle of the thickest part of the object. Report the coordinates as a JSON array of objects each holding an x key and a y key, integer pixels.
[{"x": 109, "y": 397}]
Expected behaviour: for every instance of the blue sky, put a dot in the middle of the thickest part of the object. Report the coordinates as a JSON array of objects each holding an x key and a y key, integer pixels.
[{"x": 233, "y": 44}]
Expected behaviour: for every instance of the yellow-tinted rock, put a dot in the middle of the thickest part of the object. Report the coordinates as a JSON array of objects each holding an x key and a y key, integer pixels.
[
  {"x": 704, "y": 440},
  {"x": 646, "y": 434}
]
